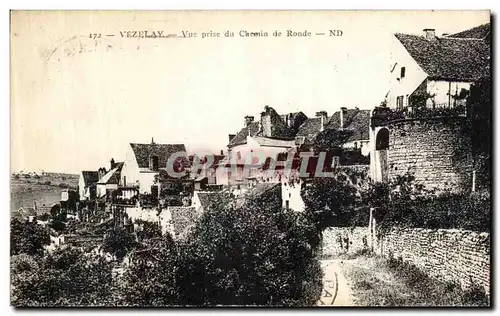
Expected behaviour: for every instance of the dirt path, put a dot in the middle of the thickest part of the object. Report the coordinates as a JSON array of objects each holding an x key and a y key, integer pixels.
[{"x": 336, "y": 287}]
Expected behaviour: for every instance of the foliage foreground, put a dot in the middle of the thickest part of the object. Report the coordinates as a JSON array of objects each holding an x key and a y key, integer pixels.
[{"x": 255, "y": 254}]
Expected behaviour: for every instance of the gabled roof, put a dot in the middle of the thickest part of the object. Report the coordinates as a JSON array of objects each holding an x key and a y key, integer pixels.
[
  {"x": 142, "y": 153},
  {"x": 478, "y": 32},
  {"x": 271, "y": 142},
  {"x": 258, "y": 192},
  {"x": 113, "y": 176},
  {"x": 310, "y": 126},
  {"x": 90, "y": 177},
  {"x": 209, "y": 199},
  {"x": 241, "y": 138},
  {"x": 355, "y": 120},
  {"x": 447, "y": 58},
  {"x": 280, "y": 129}
]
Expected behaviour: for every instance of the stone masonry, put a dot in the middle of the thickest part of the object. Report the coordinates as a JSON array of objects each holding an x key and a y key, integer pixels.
[
  {"x": 437, "y": 152},
  {"x": 446, "y": 254}
]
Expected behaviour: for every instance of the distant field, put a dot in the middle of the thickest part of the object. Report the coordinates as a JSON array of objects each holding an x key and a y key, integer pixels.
[{"x": 25, "y": 191}]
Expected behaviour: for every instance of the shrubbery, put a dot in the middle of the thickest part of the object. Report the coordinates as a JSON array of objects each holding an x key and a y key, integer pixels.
[
  {"x": 28, "y": 238},
  {"x": 66, "y": 277},
  {"x": 404, "y": 203},
  {"x": 245, "y": 255}
]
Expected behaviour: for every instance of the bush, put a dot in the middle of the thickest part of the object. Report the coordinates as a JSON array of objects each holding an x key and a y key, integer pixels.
[
  {"x": 28, "y": 238},
  {"x": 329, "y": 202},
  {"x": 118, "y": 241},
  {"x": 253, "y": 254},
  {"x": 66, "y": 277},
  {"x": 261, "y": 256},
  {"x": 403, "y": 203},
  {"x": 148, "y": 230}
]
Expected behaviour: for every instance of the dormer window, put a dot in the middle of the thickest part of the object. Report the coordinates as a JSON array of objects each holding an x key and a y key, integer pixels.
[
  {"x": 153, "y": 163},
  {"x": 403, "y": 72}
]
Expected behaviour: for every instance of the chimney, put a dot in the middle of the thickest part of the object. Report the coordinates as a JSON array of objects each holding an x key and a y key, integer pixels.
[
  {"x": 222, "y": 152},
  {"x": 112, "y": 164},
  {"x": 231, "y": 136},
  {"x": 152, "y": 140},
  {"x": 266, "y": 122},
  {"x": 34, "y": 206},
  {"x": 430, "y": 34},
  {"x": 248, "y": 120},
  {"x": 343, "y": 111},
  {"x": 324, "y": 116}
]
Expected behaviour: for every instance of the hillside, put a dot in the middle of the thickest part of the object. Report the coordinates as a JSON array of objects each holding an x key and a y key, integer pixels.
[{"x": 42, "y": 189}]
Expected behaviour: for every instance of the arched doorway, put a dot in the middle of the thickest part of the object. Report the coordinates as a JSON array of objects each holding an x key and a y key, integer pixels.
[{"x": 381, "y": 148}]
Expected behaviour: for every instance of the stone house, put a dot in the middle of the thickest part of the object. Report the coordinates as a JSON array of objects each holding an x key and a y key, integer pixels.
[
  {"x": 87, "y": 185},
  {"x": 276, "y": 135},
  {"x": 110, "y": 181},
  {"x": 432, "y": 72},
  {"x": 271, "y": 135},
  {"x": 144, "y": 162},
  {"x": 357, "y": 123},
  {"x": 437, "y": 71}
]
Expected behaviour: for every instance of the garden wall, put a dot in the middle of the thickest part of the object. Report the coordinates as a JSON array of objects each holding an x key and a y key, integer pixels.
[{"x": 447, "y": 254}]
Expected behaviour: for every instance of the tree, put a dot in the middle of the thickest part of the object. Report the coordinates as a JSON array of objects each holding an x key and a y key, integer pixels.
[
  {"x": 66, "y": 277},
  {"x": 28, "y": 237},
  {"x": 118, "y": 241},
  {"x": 329, "y": 202},
  {"x": 250, "y": 255},
  {"x": 150, "y": 279},
  {"x": 148, "y": 230}
]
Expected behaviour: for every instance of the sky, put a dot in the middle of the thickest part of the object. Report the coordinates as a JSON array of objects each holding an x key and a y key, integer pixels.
[{"x": 77, "y": 101}]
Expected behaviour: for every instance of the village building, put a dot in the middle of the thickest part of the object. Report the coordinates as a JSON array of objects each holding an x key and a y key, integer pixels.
[
  {"x": 87, "y": 185},
  {"x": 110, "y": 181},
  {"x": 433, "y": 74},
  {"x": 276, "y": 136},
  {"x": 271, "y": 135},
  {"x": 437, "y": 70},
  {"x": 356, "y": 123},
  {"x": 144, "y": 163}
]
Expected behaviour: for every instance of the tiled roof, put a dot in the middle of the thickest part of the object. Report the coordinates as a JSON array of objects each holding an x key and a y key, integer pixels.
[
  {"x": 113, "y": 176},
  {"x": 208, "y": 199},
  {"x": 90, "y": 177},
  {"x": 478, "y": 32},
  {"x": 449, "y": 58},
  {"x": 241, "y": 138},
  {"x": 142, "y": 153},
  {"x": 271, "y": 142},
  {"x": 355, "y": 120},
  {"x": 310, "y": 126},
  {"x": 216, "y": 159},
  {"x": 259, "y": 191},
  {"x": 280, "y": 129},
  {"x": 182, "y": 220}
]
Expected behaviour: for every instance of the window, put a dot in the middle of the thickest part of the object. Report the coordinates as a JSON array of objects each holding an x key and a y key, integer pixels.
[
  {"x": 238, "y": 155},
  {"x": 153, "y": 163},
  {"x": 403, "y": 72},
  {"x": 287, "y": 203},
  {"x": 399, "y": 102},
  {"x": 382, "y": 139}
]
